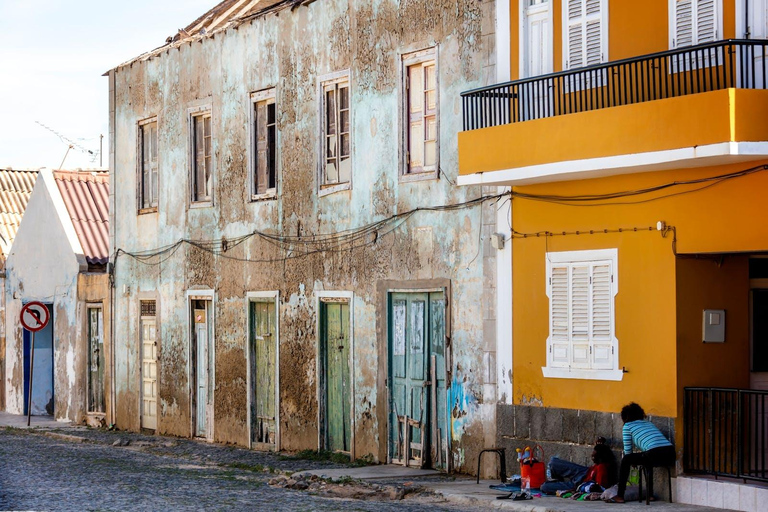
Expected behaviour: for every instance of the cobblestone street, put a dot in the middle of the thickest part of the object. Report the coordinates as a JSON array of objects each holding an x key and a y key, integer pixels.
[{"x": 98, "y": 470}]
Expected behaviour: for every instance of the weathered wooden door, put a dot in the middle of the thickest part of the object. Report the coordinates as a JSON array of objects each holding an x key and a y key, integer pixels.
[
  {"x": 418, "y": 407},
  {"x": 95, "y": 359},
  {"x": 263, "y": 342},
  {"x": 148, "y": 328},
  {"x": 335, "y": 341},
  {"x": 201, "y": 314}
]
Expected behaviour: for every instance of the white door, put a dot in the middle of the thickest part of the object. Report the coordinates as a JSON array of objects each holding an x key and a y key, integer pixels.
[
  {"x": 538, "y": 34},
  {"x": 201, "y": 314},
  {"x": 537, "y": 59},
  {"x": 148, "y": 369}
]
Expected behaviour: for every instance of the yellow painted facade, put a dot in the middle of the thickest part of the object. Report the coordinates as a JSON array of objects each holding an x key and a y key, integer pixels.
[{"x": 662, "y": 286}]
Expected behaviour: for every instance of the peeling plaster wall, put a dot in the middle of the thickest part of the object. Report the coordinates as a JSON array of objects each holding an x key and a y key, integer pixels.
[
  {"x": 42, "y": 266},
  {"x": 290, "y": 50}
]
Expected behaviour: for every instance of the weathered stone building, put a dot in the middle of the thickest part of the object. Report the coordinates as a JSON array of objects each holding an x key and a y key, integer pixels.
[
  {"x": 59, "y": 258},
  {"x": 276, "y": 284}
]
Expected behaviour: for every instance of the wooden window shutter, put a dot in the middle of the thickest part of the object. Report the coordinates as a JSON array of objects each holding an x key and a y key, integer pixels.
[
  {"x": 695, "y": 22},
  {"x": 585, "y": 38},
  {"x": 575, "y": 40},
  {"x": 683, "y": 29},
  {"x": 415, "y": 117},
  {"x": 580, "y": 315},
  {"x": 706, "y": 21},
  {"x": 559, "y": 317},
  {"x": 601, "y": 313},
  {"x": 261, "y": 148},
  {"x": 199, "y": 155},
  {"x": 145, "y": 167},
  {"x": 153, "y": 179}
]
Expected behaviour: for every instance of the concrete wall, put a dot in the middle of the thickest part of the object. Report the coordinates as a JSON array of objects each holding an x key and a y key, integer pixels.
[
  {"x": 42, "y": 266},
  {"x": 290, "y": 51},
  {"x": 568, "y": 433}
]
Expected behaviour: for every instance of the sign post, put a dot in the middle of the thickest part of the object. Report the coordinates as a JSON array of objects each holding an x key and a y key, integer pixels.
[{"x": 34, "y": 317}]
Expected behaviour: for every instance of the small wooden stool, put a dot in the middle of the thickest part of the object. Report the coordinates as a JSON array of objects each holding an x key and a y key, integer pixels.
[{"x": 501, "y": 452}]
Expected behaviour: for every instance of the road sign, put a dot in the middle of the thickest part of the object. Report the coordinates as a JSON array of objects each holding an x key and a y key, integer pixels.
[{"x": 34, "y": 316}]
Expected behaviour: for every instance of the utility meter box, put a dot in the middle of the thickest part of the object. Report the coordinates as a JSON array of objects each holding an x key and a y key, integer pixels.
[{"x": 713, "y": 330}]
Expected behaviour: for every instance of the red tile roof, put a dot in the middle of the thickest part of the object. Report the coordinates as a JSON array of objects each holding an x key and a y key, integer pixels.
[
  {"x": 15, "y": 188},
  {"x": 86, "y": 196}
]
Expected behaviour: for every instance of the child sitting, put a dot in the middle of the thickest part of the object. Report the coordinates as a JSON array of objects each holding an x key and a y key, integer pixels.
[{"x": 568, "y": 475}]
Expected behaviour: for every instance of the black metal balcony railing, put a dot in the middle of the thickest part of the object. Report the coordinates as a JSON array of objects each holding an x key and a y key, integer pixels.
[
  {"x": 726, "y": 431},
  {"x": 692, "y": 70}
]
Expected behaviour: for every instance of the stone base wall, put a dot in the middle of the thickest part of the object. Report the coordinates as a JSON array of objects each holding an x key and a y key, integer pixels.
[{"x": 567, "y": 433}]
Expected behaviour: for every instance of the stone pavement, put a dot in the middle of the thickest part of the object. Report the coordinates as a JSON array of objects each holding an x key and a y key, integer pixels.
[{"x": 56, "y": 466}]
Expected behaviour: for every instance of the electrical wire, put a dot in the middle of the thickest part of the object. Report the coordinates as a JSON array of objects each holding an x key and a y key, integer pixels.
[
  {"x": 602, "y": 199},
  {"x": 299, "y": 246}
]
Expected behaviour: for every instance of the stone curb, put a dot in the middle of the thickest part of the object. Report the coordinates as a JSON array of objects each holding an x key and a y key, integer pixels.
[
  {"x": 521, "y": 506},
  {"x": 65, "y": 437}
]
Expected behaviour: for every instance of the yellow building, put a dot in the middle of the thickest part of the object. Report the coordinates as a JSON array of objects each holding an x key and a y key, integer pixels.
[{"x": 634, "y": 139}]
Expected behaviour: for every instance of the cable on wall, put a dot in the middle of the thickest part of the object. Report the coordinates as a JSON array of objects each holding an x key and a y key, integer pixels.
[{"x": 300, "y": 246}]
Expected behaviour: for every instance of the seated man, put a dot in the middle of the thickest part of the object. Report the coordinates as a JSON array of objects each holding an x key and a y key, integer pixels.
[{"x": 569, "y": 475}]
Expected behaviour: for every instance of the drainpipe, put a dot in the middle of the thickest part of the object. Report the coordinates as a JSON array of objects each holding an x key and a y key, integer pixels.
[
  {"x": 112, "y": 229},
  {"x": 747, "y": 32}
]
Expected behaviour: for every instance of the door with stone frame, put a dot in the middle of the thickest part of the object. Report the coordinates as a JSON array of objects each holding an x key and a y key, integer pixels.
[
  {"x": 336, "y": 399},
  {"x": 149, "y": 352},
  {"x": 418, "y": 408},
  {"x": 263, "y": 346},
  {"x": 96, "y": 365},
  {"x": 202, "y": 365}
]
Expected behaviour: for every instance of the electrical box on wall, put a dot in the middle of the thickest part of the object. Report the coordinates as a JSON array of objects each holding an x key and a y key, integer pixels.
[{"x": 713, "y": 330}]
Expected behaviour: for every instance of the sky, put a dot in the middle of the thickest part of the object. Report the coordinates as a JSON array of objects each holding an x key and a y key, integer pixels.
[{"x": 53, "y": 54}]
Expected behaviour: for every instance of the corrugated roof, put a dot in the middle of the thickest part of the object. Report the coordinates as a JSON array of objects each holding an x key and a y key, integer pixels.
[
  {"x": 86, "y": 196},
  {"x": 15, "y": 188},
  {"x": 226, "y": 14}
]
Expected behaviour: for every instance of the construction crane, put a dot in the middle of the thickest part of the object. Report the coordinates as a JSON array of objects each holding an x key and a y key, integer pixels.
[{"x": 72, "y": 145}]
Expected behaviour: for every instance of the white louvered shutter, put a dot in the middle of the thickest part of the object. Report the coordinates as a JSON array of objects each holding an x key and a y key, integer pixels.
[
  {"x": 706, "y": 21},
  {"x": 601, "y": 313},
  {"x": 584, "y": 39},
  {"x": 559, "y": 317},
  {"x": 695, "y": 22},
  {"x": 580, "y": 313}
]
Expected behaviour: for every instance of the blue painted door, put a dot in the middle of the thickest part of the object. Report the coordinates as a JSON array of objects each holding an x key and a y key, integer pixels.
[
  {"x": 418, "y": 407},
  {"x": 42, "y": 385}
]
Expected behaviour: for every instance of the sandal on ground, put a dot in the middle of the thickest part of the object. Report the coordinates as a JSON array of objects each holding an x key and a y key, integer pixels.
[
  {"x": 522, "y": 496},
  {"x": 615, "y": 499}
]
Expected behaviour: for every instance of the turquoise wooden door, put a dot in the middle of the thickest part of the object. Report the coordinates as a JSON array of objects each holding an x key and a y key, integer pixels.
[
  {"x": 418, "y": 408},
  {"x": 334, "y": 326},
  {"x": 263, "y": 372}
]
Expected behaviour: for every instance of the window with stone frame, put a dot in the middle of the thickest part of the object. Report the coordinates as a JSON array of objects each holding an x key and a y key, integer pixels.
[
  {"x": 148, "y": 168},
  {"x": 264, "y": 160},
  {"x": 421, "y": 113},
  {"x": 201, "y": 157},
  {"x": 337, "y": 137}
]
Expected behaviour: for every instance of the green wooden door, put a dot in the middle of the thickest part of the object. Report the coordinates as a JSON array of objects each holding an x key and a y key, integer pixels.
[
  {"x": 418, "y": 408},
  {"x": 263, "y": 373},
  {"x": 335, "y": 352},
  {"x": 95, "y": 360}
]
